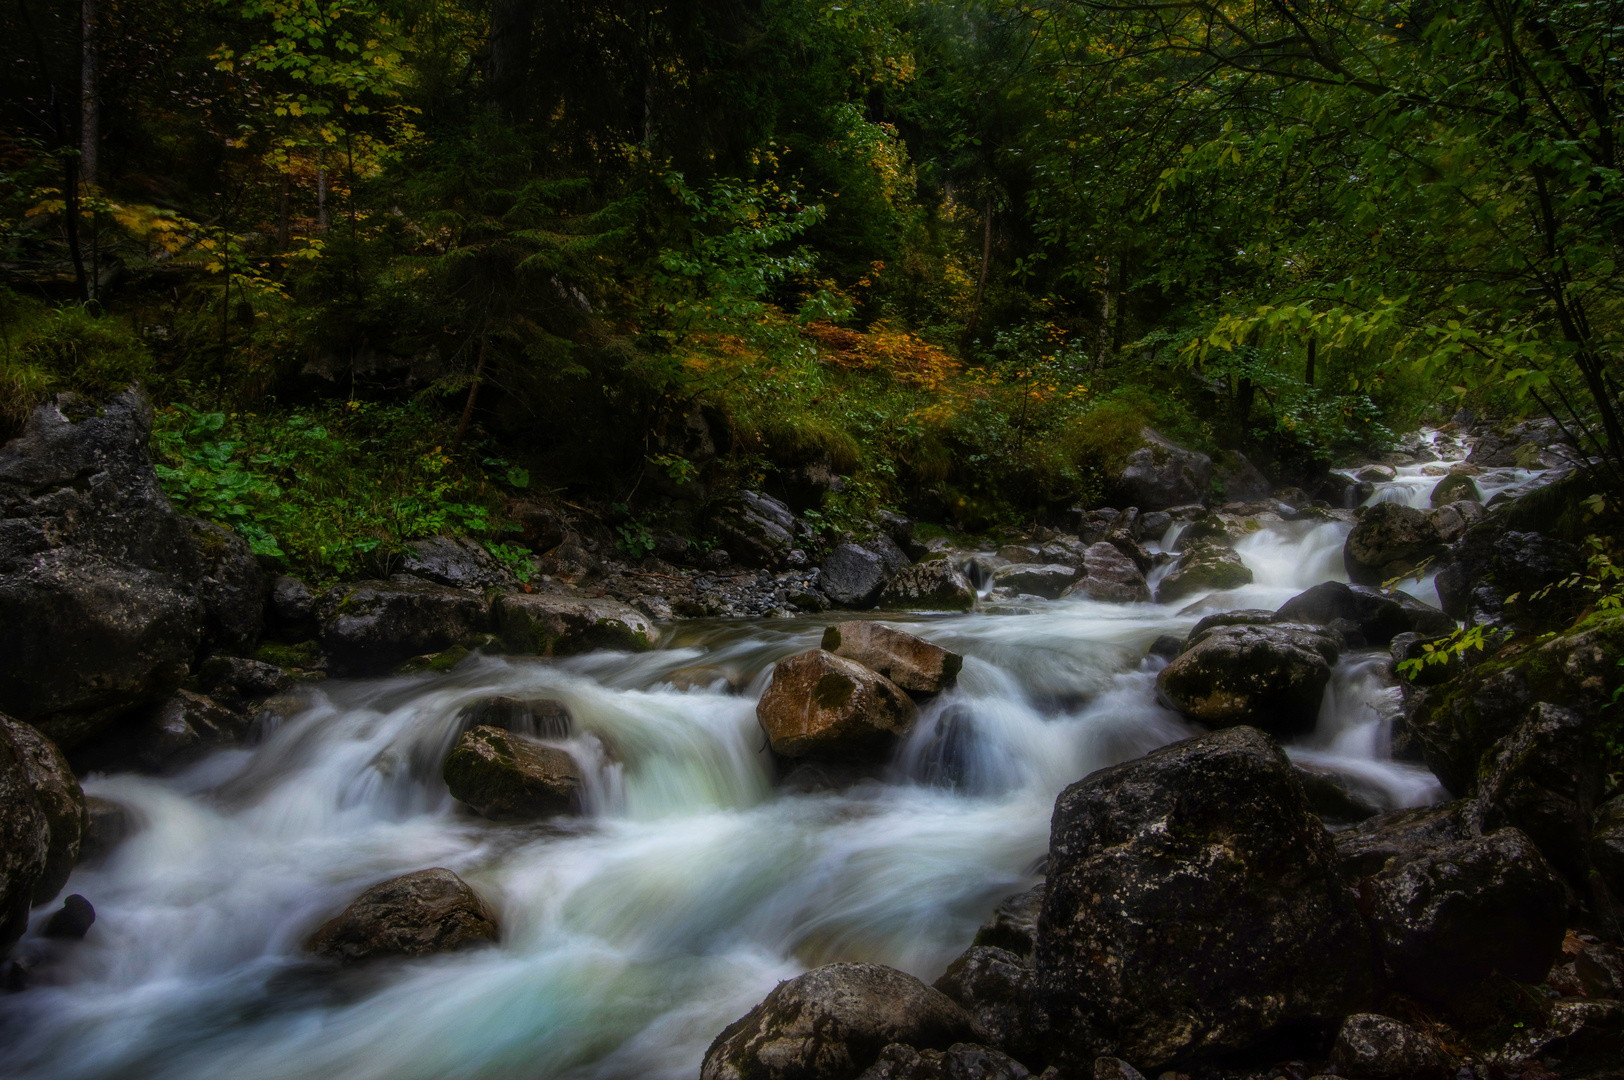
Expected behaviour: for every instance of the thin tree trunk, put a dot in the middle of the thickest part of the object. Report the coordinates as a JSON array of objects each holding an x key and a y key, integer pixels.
[
  {"x": 981, "y": 283},
  {"x": 507, "y": 64},
  {"x": 89, "y": 94},
  {"x": 1105, "y": 319},
  {"x": 1308, "y": 374},
  {"x": 284, "y": 213},
  {"x": 321, "y": 190},
  {"x": 473, "y": 390}
]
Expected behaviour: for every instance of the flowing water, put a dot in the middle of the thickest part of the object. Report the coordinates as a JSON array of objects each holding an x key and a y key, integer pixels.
[{"x": 691, "y": 885}]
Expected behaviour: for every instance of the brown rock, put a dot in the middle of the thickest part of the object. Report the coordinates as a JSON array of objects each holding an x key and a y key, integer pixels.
[
  {"x": 505, "y": 776},
  {"x": 822, "y": 705},
  {"x": 430, "y": 911},
  {"x": 911, "y": 662}
]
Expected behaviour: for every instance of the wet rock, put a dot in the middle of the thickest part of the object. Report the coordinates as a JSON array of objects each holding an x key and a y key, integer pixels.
[
  {"x": 1204, "y": 566},
  {"x": 455, "y": 561},
  {"x": 1110, "y": 577},
  {"x": 852, "y": 576},
  {"x": 961, "y": 1061},
  {"x": 1374, "y": 1047},
  {"x": 1271, "y": 676},
  {"x": 832, "y": 1023},
  {"x": 936, "y": 585},
  {"x": 1448, "y": 913},
  {"x": 1607, "y": 846},
  {"x": 757, "y": 530},
  {"x": 911, "y": 662},
  {"x": 430, "y": 911},
  {"x": 1344, "y": 492},
  {"x": 893, "y": 559},
  {"x": 372, "y": 627},
  {"x": 59, "y": 798},
  {"x": 1380, "y": 615},
  {"x": 1233, "y": 617},
  {"x": 543, "y": 718},
  {"x": 995, "y": 987},
  {"x": 1155, "y": 523},
  {"x": 1161, "y": 474},
  {"x": 825, "y": 706},
  {"x": 1013, "y": 924},
  {"x": 1094, "y": 525},
  {"x": 231, "y": 586},
  {"x": 72, "y": 921},
  {"x": 1034, "y": 579},
  {"x": 900, "y": 529},
  {"x": 1112, "y": 1068},
  {"x": 553, "y": 625},
  {"x": 1194, "y": 908},
  {"x": 291, "y": 611},
  {"x": 509, "y": 777},
  {"x": 234, "y": 681},
  {"x": 1018, "y": 553},
  {"x": 1240, "y": 480},
  {"x": 1376, "y": 474},
  {"x": 184, "y": 727},
  {"x": 25, "y": 839},
  {"x": 1335, "y": 799},
  {"x": 1166, "y": 646},
  {"x": 1390, "y": 540},
  {"x": 107, "y": 825},
  {"x": 1546, "y": 778},
  {"x": 1455, "y": 487},
  {"x": 1578, "y": 1038}
]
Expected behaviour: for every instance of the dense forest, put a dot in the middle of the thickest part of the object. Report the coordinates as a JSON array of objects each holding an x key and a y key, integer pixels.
[{"x": 385, "y": 264}]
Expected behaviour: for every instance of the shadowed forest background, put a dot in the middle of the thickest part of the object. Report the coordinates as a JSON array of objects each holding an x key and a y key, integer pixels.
[{"x": 386, "y": 265}]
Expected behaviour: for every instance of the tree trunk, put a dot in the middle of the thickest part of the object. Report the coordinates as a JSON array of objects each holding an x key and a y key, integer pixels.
[
  {"x": 1105, "y": 319},
  {"x": 1308, "y": 374},
  {"x": 507, "y": 59},
  {"x": 981, "y": 283},
  {"x": 321, "y": 190},
  {"x": 473, "y": 392},
  {"x": 89, "y": 94},
  {"x": 284, "y": 213},
  {"x": 70, "y": 211}
]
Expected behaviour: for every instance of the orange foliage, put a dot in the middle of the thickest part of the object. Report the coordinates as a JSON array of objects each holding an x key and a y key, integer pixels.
[{"x": 898, "y": 354}]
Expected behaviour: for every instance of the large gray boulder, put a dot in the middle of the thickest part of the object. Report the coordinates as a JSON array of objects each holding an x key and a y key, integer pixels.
[
  {"x": 995, "y": 987},
  {"x": 1389, "y": 541},
  {"x": 1380, "y": 616},
  {"x": 852, "y": 576},
  {"x": 1546, "y": 779},
  {"x": 1271, "y": 677},
  {"x": 819, "y": 705},
  {"x": 1110, "y": 577},
  {"x": 372, "y": 627},
  {"x": 418, "y": 914},
  {"x": 1241, "y": 481},
  {"x": 1036, "y": 579},
  {"x": 1162, "y": 474},
  {"x": 59, "y": 798},
  {"x": 1194, "y": 908},
  {"x": 756, "y": 529},
  {"x": 456, "y": 561},
  {"x": 504, "y": 776},
  {"x": 231, "y": 587},
  {"x": 555, "y": 625},
  {"x": 1202, "y": 567},
  {"x": 832, "y": 1023},
  {"x": 25, "y": 839},
  {"x": 1374, "y": 1047},
  {"x": 934, "y": 585}
]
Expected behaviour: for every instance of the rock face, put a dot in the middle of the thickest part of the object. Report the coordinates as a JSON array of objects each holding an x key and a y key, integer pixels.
[
  {"x": 372, "y": 627},
  {"x": 1240, "y": 479},
  {"x": 1202, "y": 567},
  {"x": 756, "y": 529},
  {"x": 853, "y": 576},
  {"x": 550, "y": 625},
  {"x": 506, "y": 777},
  {"x": 911, "y": 662},
  {"x": 1110, "y": 577},
  {"x": 1375, "y": 1047},
  {"x": 936, "y": 585},
  {"x": 455, "y": 561},
  {"x": 1546, "y": 778},
  {"x": 430, "y": 911},
  {"x": 59, "y": 798},
  {"x": 1204, "y": 849},
  {"x": 25, "y": 840},
  {"x": 1449, "y": 907},
  {"x": 1269, "y": 676},
  {"x": 1161, "y": 474},
  {"x": 1489, "y": 563},
  {"x": 961, "y": 1061},
  {"x": 824, "y": 706},
  {"x": 1389, "y": 541},
  {"x": 832, "y": 1023},
  {"x": 1035, "y": 579}
]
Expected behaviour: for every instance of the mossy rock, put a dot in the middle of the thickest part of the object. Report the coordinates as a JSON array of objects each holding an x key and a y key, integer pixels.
[
  {"x": 1204, "y": 567},
  {"x": 504, "y": 776},
  {"x": 306, "y": 654}
]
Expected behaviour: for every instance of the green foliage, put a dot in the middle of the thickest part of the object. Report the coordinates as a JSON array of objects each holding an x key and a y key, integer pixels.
[{"x": 50, "y": 350}]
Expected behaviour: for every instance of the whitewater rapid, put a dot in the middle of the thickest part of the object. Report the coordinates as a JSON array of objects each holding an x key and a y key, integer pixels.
[{"x": 692, "y": 884}]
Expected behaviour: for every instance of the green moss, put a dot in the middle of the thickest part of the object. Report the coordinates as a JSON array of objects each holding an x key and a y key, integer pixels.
[
  {"x": 833, "y": 691},
  {"x": 303, "y": 655},
  {"x": 439, "y": 663},
  {"x": 831, "y": 639}
]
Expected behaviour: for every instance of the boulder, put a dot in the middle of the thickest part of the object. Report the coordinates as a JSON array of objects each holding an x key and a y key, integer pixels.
[
  {"x": 824, "y": 706},
  {"x": 99, "y": 576},
  {"x": 72, "y": 921},
  {"x": 1161, "y": 474},
  {"x": 1110, "y": 577},
  {"x": 911, "y": 662},
  {"x": 543, "y": 718},
  {"x": 1034, "y": 579},
  {"x": 552, "y": 625},
  {"x": 1449, "y": 907},
  {"x": 107, "y": 825},
  {"x": 936, "y": 585},
  {"x": 1376, "y": 474},
  {"x": 291, "y": 610},
  {"x": 1269, "y": 676},
  {"x": 181, "y": 729},
  {"x": 1240, "y": 480},
  {"x": 235, "y": 682},
  {"x": 1380, "y": 616},
  {"x": 455, "y": 561},
  {"x": 1232, "y": 617},
  {"x": 832, "y": 1023},
  {"x": 1489, "y": 563},
  {"x": 1607, "y": 846},
  {"x": 509, "y": 777},
  {"x": 1013, "y": 924},
  {"x": 1343, "y": 492},
  {"x": 25, "y": 839},
  {"x": 1336, "y": 799},
  {"x": 961, "y": 1061},
  {"x": 1455, "y": 487},
  {"x": 1374, "y": 1047},
  {"x": 1194, "y": 908},
  {"x": 1546, "y": 779},
  {"x": 757, "y": 530},
  {"x": 852, "y": 576},
  {"x": 59, "y": 798},
  {"x": 231, "y": 587},
  {"x": 1390, "y": 540},
  {"x": 372, "y": 627},
  {"x": 995, "y": 987},
  {"x": 1203, "y": 567},
  {"x": 430, "y": 911},
  {"x": 893, "y": 559}
]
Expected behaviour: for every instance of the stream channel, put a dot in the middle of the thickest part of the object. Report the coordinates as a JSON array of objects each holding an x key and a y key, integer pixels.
[{"x": 691, "y": 885}]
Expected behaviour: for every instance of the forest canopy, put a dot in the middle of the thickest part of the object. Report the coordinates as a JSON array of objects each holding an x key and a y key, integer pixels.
[{"x": 383, "y": 262}]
